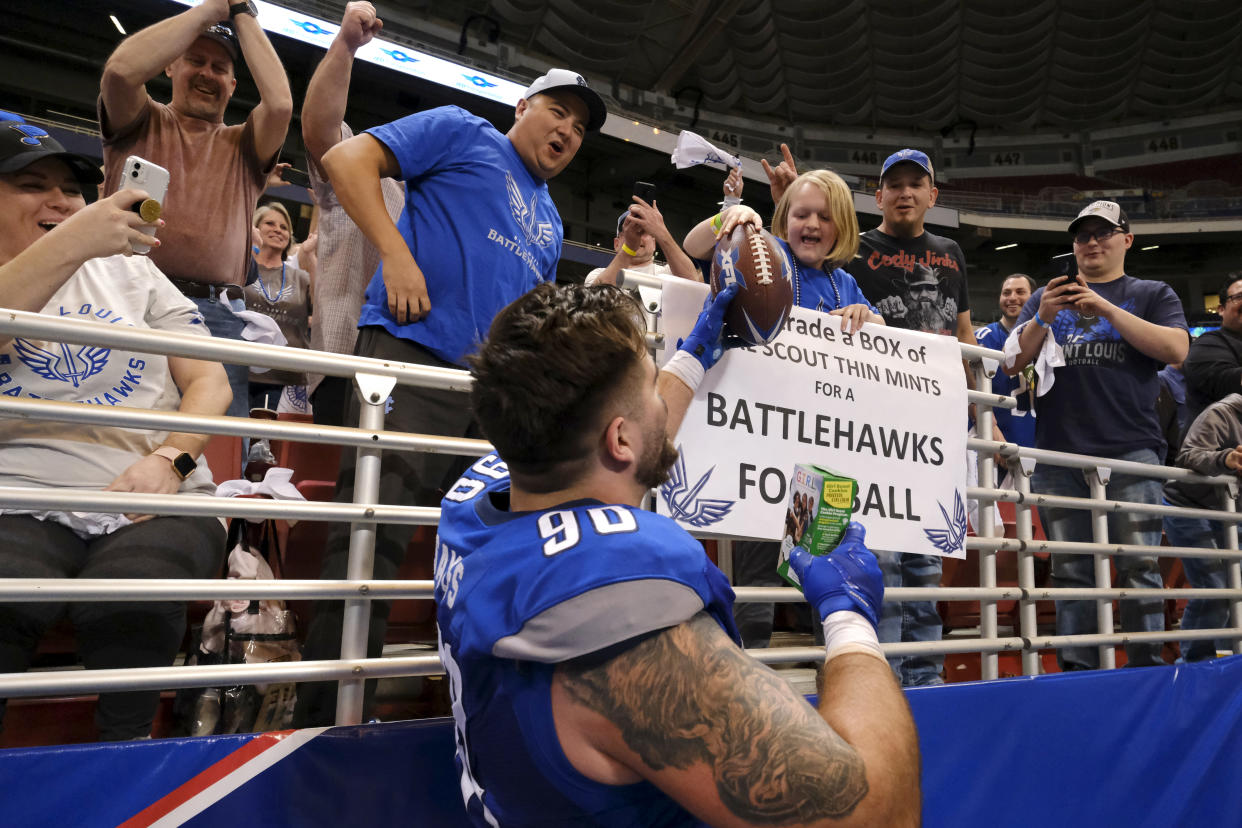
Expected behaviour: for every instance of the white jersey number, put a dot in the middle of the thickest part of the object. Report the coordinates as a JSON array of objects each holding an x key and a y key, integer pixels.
[{"x": 561, "y": 531}]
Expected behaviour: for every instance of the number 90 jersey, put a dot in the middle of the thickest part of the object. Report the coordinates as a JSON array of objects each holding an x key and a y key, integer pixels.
[{"x": 517, "y": 593}]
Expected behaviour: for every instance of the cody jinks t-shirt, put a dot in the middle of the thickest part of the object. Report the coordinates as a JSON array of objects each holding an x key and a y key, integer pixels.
[
  {"x": 1103, "y": 400},
  {"x": 918, "y": 284}
]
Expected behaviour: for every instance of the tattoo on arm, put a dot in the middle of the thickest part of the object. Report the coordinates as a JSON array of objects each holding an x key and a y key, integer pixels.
[{"x": 688, "y": 696}]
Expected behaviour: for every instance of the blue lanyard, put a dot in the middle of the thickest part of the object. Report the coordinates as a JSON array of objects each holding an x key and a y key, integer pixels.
[{"x": 280, "y": 294}]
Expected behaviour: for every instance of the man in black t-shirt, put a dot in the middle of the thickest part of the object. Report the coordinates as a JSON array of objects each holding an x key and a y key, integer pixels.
[
  {"x": 917, "y": 280},
  {"x": 1214, "y": 367}
]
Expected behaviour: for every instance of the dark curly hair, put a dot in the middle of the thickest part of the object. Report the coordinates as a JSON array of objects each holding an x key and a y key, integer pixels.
[
  {"x": 552, "y": 360},
  {"x": 1228, "y": 283}
]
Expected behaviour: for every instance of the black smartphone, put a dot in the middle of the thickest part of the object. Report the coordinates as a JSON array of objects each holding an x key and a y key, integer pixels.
[
  {"x": 645, "y": 191},
  {"x": 292, "y": 176}
]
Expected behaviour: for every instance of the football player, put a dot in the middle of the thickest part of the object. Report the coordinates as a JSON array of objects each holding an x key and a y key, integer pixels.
[{"x": 594, "y": 665}]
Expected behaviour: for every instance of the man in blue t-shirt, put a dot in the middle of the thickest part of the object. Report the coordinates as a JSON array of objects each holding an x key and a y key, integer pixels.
[
  {"x": 590, "y": 647},
  {"x": 1116, "y": 332},
  {"x": 1017, "y": 427},
  {"x": 478, "y": 230}
]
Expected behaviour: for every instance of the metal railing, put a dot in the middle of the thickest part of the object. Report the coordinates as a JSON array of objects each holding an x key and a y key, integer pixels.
[{"x": 374, "y": 379}]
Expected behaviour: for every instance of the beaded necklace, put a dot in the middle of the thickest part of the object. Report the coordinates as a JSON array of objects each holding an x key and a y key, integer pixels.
[
  {"x": 280, "y": 294},
  {"x": 798, "y": 285}
]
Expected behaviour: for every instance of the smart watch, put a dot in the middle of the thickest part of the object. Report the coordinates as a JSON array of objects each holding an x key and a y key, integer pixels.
[
  {"x": 183, "y": 464},
  {"x": 247, "y": 7}
]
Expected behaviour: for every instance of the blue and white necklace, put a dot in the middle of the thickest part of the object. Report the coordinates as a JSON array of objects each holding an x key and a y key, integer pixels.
[
  {"x": 798, "y": 285},
  {"x": 280, "y": 294}
]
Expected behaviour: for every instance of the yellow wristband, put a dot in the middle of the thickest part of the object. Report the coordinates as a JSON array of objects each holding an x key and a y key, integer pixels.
[
  {"x": 625, "y": 248},
  {"x": 717, "y": 222}
]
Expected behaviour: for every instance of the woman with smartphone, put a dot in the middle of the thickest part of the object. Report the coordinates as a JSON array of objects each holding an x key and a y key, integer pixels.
[
  {"x": 64, "y": 259},
  {"x": 281, "y": 291}
]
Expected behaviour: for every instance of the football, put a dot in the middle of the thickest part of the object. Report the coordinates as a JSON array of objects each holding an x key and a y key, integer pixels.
[{"x": 756, "y": 262}]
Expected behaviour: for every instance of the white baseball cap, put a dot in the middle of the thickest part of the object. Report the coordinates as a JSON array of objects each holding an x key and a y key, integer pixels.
[
  {"x": 1110, "y": 211},
  {"x": 565, "y": 79}
]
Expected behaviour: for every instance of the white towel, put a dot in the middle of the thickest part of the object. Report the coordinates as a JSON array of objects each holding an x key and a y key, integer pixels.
[
  {"x": 1049, "y": 358},
  {"x": 694, "y": 149}
]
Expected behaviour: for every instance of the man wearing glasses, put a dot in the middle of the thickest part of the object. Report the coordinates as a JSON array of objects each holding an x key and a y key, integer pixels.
[
  {"x": 1115, "y": 333},
  {"x": 1214, "y": 367}
]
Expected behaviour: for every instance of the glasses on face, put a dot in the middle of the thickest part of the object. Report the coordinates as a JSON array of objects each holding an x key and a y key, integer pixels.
[
  {"x": 1101, "y": 236},
  {"x": 1232, "y": 297}
]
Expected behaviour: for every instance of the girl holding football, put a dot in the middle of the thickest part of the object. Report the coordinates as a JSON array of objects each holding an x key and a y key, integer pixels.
[{"x": 816, "y": 227}]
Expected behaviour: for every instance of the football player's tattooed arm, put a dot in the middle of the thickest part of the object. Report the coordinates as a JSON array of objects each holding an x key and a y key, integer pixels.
[{"x": 729, "y": 740}]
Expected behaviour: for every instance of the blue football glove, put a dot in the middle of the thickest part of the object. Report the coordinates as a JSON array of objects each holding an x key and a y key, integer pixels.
[
  {"x": 847, "y": 578},
  {"x": 707, "y": 342}
]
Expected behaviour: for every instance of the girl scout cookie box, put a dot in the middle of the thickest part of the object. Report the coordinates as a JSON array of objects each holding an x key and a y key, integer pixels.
[{"x": 821, "y": 503}]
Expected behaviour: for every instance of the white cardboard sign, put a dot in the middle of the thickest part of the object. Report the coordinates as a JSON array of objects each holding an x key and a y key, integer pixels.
[{"x": 885, "y": 406}]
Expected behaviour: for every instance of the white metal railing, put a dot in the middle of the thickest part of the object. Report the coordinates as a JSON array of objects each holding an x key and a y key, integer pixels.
[{"x": 374, "y": 378}]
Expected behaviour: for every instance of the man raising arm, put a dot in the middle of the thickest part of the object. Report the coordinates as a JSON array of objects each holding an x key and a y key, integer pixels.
[{"x": 216, "y": 171}]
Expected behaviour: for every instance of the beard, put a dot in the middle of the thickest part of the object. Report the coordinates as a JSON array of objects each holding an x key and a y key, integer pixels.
[{"x": 653, "y": 466}]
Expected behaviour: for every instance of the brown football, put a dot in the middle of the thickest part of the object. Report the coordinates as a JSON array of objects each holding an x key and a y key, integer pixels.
[{"x": 759, "y": 265}]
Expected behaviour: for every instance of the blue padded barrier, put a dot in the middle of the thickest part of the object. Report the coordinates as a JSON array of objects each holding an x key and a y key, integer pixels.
[{"x": 1135, "y": 747}]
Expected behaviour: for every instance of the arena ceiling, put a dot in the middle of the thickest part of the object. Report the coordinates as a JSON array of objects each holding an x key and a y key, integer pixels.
[{"x": 887, "y": 64}]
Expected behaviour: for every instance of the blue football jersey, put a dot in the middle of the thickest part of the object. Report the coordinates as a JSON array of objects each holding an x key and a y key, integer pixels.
[{"x": 519, "y": 592}]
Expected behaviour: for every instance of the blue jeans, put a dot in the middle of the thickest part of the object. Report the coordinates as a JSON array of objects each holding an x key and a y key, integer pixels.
[
  {"x": 754, "y": 564},
  {"x": 912, "y": 620},
  {"x": 1078, "y": 571},
  {"x": 1202, "y": 573},
  {"x": 222, "y": 323}
]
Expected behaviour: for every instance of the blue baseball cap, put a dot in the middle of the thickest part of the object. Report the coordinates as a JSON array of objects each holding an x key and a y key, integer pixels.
[{"x": 912, "y": 156}]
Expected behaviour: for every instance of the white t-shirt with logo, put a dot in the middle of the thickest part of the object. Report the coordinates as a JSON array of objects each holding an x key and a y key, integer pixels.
[{"x": 118, "y": 290}]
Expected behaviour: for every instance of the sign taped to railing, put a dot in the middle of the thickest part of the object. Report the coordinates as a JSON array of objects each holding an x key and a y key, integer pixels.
[{"x": 884, "y": 406}]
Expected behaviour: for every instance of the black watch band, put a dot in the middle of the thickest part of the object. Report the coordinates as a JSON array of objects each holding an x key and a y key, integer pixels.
[
  {"x": 247, "y": 7},
  {"x": 184, "y": 465}
]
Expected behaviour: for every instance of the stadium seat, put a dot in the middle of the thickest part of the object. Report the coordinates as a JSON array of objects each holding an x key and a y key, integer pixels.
[
  {"x": 224, "y": 457},
  {"x": 309, "y": 461}
]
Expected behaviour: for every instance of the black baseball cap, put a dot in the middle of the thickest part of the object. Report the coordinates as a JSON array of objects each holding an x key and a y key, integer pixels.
[
  {"x": 22, "y": 144},
  {"x": 223, "y": 35}
]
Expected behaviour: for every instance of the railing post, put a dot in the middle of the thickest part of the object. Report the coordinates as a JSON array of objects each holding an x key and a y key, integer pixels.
[
  {"x": 724, "y": 557},
  {"x": 989, "y": 662},
  {"x": 1028, "y": 620},
  {"x": 373, "y": 392},
  {"x": 1229, "y": 503},
  {"x": 1097, "y": 479}
]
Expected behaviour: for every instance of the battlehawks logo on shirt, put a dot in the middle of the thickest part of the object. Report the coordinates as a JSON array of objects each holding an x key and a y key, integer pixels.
[
  {"x": 74, "y": 373},
  {"x": 537, "y": 233}
]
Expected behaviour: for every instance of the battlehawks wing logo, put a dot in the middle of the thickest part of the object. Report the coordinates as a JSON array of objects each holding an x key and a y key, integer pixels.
[
  {"x": 73, "y": 366},
  {"x": 537, "y": 233},
  {"x": 949, "y": 540},
  {"x": 683, "y": 502}
]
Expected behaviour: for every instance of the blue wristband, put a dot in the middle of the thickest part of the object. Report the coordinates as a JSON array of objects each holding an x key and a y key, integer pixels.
[{"x": 1040, "y": 322}]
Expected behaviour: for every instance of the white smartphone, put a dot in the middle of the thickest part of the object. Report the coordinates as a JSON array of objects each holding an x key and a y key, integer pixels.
[{"x": 141, "y": 174}]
